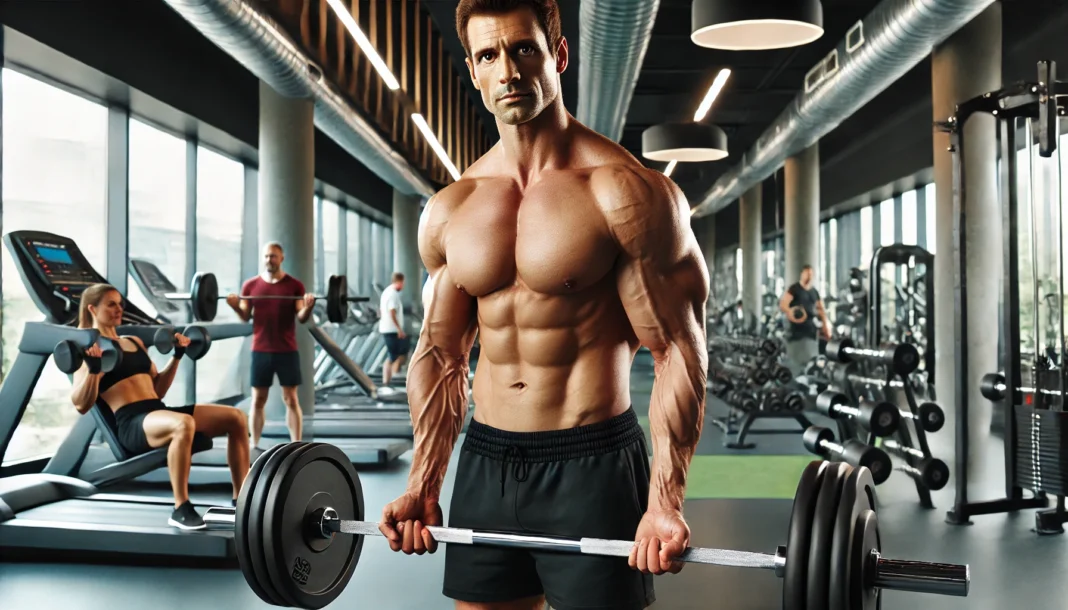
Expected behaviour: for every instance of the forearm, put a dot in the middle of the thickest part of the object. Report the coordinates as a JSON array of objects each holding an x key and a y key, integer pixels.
[
  {"x": 304, "y": 314},
  {"x": 84, "y": 394},
  {"x": 166, "y": 377},
  {"x": 241, "y": 313},
  {"x": 437, "y": 394},
  {"x": 396, "y": 322},
  {"x": 676, "y": 417}
]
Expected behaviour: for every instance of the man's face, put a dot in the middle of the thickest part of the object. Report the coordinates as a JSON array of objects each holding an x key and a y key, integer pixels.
[
  {"x": 806, "y": 276},
  {"x": 272, "y": 259},
  {"x": 512, "y": 65}
]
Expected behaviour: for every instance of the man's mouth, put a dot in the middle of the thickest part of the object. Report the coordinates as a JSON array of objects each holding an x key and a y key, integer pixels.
[{"x": 511, "y": 97}]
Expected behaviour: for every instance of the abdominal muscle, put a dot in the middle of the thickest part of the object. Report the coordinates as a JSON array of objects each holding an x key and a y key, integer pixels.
[
  {"x": 549, "y": 362},
  {"x": 128, "y": 391}
]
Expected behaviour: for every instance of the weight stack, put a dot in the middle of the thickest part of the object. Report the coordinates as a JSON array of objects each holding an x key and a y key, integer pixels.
[{"x": 1042, "y": 449}]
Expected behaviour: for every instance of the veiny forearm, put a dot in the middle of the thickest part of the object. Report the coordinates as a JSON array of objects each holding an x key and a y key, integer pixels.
[
  {"x": 166, "y": 377},
  {"x": 676, "y": 417},
  {"x": 437, "y": 394}
]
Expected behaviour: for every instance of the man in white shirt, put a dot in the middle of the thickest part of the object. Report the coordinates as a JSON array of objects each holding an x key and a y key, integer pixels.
[{"x": 391, "y": 327}]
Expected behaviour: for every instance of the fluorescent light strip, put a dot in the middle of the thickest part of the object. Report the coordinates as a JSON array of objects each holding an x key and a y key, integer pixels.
[
  {"x": 670, "y": 167},
  {"x": 365, "y": 45},
  {"x": 420, "y": 122},
  {"x": 713, "y": 92}
]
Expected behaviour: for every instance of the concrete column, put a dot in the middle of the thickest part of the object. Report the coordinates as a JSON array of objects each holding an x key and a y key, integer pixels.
[
  {"x": 749, "y": 237},
  {"x": 406, "y": 250},
  {"x": 801, "y": 221},
  {"x": 287, "y": 215},
  {"x": 967, "y": 64}
]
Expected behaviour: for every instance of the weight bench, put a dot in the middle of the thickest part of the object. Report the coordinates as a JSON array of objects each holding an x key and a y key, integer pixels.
[{"x": 129, "y": 466}]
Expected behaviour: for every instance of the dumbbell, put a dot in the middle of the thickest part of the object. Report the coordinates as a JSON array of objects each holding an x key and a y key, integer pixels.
[
  {"x": 742, "y": 401},
  {"x": 930, "y": 418},
  {"x": 902, "y": 358},
  {"x": 794, "y": 401},
  {"x": 69, "y": 356},
  {"x": 773, "y": 402},
  {"x": 751, "y": 374},
  {"x": 931, "y": 472},
  {"x": 993, "y": 387},
  {"x": 820, "y": 441},
  {"x": 879, "y": 418},
  {"x": 782, "y": 374},
  {"x": 748, "y": 344}
]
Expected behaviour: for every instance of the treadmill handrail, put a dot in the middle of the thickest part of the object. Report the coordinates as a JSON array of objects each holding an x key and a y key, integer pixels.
[
  {"x": 41, "y": 338},
  {"x": 342, "y": 359}
]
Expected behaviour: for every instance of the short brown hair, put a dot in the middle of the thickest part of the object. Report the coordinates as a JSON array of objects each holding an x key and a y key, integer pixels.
[
  {"x": 547, "y": 11},
  {"x": 397, "y": 276}
]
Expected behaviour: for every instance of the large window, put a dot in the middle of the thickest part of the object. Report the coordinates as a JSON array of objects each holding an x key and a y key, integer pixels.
[
  {"x": 886, "y": 222},
  {"x": 352, "y": 251},
  {"x": 330, "y": 235},
  {"x": 930, "y": 204},
  {"x": 220, "y": 207},
  {"x": 55, "y": 180},
  {"x": 867, "y": 247},
  {"x": 909, "y": 219},
  {"x": 157, "y": 219}
]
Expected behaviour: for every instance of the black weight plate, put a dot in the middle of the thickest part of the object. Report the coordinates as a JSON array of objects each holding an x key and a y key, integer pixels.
[
  {"x": 204, "y": 296},
  {"x": 270, "y": 514},
  {"x": 312, "y": 572},
  {"x": 822, "y": 535},
  {"x": 858, "y": 495},
  {"x": 793, "y": 582},
  {"x": 257, "y": 517},
  {"x": 241, "y": 532},
  {"x": 199, "y": 341},
  {"x": 865, "y": 540},
  {"x": 333, "y": 303}
]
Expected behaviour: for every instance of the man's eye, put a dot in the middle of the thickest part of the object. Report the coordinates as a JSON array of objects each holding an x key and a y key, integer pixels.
[
  {"x": 526, "y": 50},
  {"x": 486, "y": 57}
]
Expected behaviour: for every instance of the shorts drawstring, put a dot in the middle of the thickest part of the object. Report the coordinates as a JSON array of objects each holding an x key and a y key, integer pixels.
[{"x": 520, "y": 469}]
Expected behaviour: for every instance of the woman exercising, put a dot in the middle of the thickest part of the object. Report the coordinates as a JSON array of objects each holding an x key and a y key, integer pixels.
[{"x": 134, "y": 389}]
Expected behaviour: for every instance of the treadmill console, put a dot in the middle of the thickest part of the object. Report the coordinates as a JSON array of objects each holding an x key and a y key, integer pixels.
[
  {"x": 155, "y": 285},
  {"x": 56, "y": 273}
]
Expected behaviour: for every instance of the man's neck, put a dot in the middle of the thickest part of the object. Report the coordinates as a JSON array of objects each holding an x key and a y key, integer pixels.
[
  {"x": 537, "y": 145},
  {"x": 806, "y": 285},
  {"x": 273, "y": 276}
]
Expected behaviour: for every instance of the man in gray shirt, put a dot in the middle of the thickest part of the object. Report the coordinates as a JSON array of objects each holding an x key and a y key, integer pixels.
[{"x": 801, "y": 303}]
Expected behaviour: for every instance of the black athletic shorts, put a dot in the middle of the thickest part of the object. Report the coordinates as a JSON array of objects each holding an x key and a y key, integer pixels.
[
  {"x": 590, "y": 481},
  {"x": 130, "y": 423},
  {"x": 265, "y": 365},
  {"x": 396, "y": 346}
]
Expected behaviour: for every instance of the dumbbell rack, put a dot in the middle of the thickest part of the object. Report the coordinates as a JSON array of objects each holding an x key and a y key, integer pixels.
[
  {"x": 749, "y": 353},
  {"x": 903, "y": 436},
  {"x": 1035, "y": 459}
]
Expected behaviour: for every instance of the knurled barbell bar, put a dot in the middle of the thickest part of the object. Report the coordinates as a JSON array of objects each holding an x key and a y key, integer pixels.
[
  {"x": 902, "y": 358},
  {"x": 299, "y": 533},
  {"x": 204, "y": 297}
]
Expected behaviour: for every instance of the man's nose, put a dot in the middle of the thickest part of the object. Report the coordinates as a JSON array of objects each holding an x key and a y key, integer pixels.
[{"x": 509, "y": 71}]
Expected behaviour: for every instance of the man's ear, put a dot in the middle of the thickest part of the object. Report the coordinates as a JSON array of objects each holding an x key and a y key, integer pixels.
[
  {"x": 471, "y": 71},
  {"x": 561, "y": 55}
]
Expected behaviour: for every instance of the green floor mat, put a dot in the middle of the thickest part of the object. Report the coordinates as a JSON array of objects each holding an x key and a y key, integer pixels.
[{"x": 745, "y": 476}]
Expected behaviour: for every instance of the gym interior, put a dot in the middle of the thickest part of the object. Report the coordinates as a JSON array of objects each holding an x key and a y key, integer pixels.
[{"x": 908, "y": 156}]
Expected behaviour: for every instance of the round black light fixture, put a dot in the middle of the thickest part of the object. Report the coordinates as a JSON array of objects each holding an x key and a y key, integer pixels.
[
  {"x": 684, "y": 142},
  {"x": 750, "y": 25}
]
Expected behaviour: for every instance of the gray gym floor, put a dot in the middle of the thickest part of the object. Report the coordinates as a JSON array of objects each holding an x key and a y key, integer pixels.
[{"x": 1011, "y": 566}]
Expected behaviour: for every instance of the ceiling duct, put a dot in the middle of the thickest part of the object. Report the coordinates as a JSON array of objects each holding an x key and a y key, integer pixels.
[
  {"x": 254, "y": 39},
  {"x": 613, "y": 38},
  {"x": 895, "y": 37}
]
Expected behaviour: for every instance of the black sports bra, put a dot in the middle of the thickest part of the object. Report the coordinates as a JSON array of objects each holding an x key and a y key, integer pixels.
[{"x": 133, "y": 363}]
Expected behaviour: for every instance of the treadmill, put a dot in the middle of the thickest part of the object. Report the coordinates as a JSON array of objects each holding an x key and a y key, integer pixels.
[
  {"x": 55, "y": 511},
  {"x": 384, "y": 438}
]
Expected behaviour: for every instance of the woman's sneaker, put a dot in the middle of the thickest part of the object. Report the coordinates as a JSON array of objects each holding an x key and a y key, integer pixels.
[{"x": 185, "y": 517}]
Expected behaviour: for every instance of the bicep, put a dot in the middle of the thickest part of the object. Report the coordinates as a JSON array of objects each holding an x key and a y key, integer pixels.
[{"x": 450, "y": 314}]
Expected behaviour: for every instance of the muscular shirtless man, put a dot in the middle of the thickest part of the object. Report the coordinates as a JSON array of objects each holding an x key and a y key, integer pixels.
[{"x": 565, "y": 254}]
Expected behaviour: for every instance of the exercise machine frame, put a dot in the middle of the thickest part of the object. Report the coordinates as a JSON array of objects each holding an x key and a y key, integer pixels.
[{"x": 1034, "y": 100}]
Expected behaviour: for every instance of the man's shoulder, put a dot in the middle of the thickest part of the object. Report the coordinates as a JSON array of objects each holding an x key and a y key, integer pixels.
[{"x": 635, "y": 191}]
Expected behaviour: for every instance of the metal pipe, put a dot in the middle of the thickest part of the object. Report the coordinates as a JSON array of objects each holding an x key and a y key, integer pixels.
[{"x": 891, "y": 40}]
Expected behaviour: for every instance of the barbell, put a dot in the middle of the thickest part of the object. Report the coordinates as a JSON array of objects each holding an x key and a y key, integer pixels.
[
  {"x": 901, "y": 358},
  {"x": 299, "y": 533},
  {"x": 204, "y": 297}
]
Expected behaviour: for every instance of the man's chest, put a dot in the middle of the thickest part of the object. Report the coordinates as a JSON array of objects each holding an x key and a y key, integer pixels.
[{"x": 553, "y": 238}]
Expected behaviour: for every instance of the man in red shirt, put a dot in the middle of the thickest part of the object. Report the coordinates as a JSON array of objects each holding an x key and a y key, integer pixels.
[{"x": 274, "y": 338}]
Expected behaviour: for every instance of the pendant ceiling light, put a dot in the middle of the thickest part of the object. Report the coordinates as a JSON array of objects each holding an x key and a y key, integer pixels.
[
  {"x": 684, "y": 142},
  {"x": 750, "y": 25}
]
